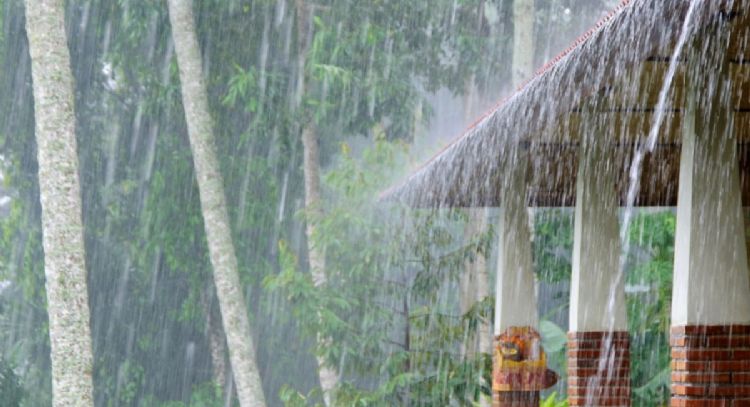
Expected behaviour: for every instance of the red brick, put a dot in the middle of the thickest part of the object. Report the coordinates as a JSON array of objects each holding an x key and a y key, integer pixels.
[
  {"x": 610, "y": 401},
  {"x": 732, "y": 366},
  {"x": 711, "y": 366},
  {"x": 701, "y": 377},
  {"x": 601, "y": 392},
  {"x": 723, "y": 341},
  {"x": 616, "y": 364},
  {"x": 710, "y": 390},
  {"x": 701, "y": 354},
  {"x": 584, "y": 353},
  {"x": 698, "y": 402},
  {"x": 588, "y": 372},
  {"x": 587, "y": 385},
  {"x": 583, "y": 381},
  {"x": 600, "y": 335},
  {"x": 515, "y": 399},
  {"x": 704, "y": 330},
  {"x": 596, "y": 353},
  {"x": 681, "y": 365}
]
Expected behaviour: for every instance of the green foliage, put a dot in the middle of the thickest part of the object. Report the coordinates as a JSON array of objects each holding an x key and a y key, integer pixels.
[
  {"x": 553, "y": 401},
  {"x": 11, "y": 392},
  {"x": 553, "y": 244},
  {"x": 203, "y": 395},
  {"x": 376, "y": 316},
  {"x": 652, "y": 256}
]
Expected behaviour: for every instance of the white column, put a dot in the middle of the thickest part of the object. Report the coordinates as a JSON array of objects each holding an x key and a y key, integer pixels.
[
  {"x": 711, "y": 282},
  {"x": 515, "y": 303},
  {"x": 597, "y": 300}
]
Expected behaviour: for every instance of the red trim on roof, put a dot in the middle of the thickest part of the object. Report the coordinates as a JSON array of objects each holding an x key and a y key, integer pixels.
[{"x": 546, "y": 67}]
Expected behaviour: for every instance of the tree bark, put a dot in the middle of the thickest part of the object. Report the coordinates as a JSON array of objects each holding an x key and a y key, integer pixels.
[
  {"x": 312, "y": 201},
  {"x": 216, "y": 343},
  {"x": 60, "y": 194},
  {"x": 213, "y": 204},
  {"x": 474, "y": 288},
  {"x": 311, "y": 167},
  {"x": 474, "y": 281},
  {"x": 523, "y": 41}
]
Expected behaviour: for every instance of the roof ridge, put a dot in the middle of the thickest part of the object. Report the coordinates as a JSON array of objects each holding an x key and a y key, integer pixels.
[{"x": 600, "y": 24}]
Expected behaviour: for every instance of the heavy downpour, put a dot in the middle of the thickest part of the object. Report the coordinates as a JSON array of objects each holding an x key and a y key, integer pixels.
[{"x": 452, "y": 203}]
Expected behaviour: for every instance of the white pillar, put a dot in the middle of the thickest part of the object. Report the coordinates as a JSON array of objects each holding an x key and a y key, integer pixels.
[
  {"x": 515, "y": 303},
  {"x": 598, "y": 314},
  {"x": 597, "y": 300},
  {"x": 711, "y": 282},
  {"x": 711, "y": 288}
]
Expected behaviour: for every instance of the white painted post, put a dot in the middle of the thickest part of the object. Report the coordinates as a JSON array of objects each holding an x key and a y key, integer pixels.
[
  {"x": 597, "y": 292},
  {"x": 598, "y": 335},
  {"x": 711, "y": 284},
  {"x": 711, "y": 288},
  {"x": 515, "y": 303}
]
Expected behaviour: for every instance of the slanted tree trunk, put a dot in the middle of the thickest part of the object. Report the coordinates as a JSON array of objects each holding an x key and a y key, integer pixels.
[
  {"x": 60, "y": 194},
  {"x": 311, "y": 167},
  {"x": 214, "y": 208}
]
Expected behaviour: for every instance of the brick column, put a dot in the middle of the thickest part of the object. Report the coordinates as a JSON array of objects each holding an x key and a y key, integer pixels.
[
  {"x": 515, "y": 399},
  {"x": 598, "y": 344},
  {"x": 711, "y": 365},
  {"x": 599, "y": 369}
]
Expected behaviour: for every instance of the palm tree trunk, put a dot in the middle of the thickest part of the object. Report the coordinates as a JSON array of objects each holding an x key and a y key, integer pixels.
[
  {"x": 60, "y": 194},
  {"x": 213, "y": 204}
]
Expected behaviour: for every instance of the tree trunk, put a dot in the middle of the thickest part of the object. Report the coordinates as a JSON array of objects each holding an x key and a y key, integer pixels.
[
  {"x": 312, "y": 201},
  {"x": 213, "y": 204},
  {"x": 474, "y": 288},
  {"x": 474, "y": 281},
  {"x": 523, "y": 41},
  {"x": 216, "y": 343},
  {"x": 60, "y": 194},
  {"x": 311, "y": 167}
]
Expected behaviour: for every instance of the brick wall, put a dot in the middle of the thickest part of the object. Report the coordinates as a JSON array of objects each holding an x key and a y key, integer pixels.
[
  {"x": 515, "y": 399},
  {"x": 711, "y": 366},
  {"x": 599, "y": 369}
]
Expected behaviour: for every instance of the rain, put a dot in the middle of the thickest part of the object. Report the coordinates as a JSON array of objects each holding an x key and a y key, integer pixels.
[{"x": 251, "y": 203}]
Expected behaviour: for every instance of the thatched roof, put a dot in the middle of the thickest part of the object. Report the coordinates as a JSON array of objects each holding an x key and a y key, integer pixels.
[{"x": 607, "y": 84}]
